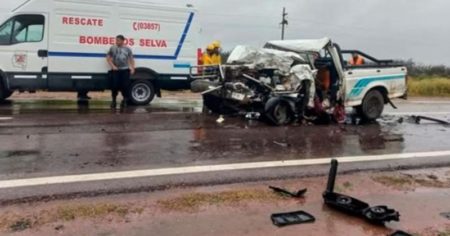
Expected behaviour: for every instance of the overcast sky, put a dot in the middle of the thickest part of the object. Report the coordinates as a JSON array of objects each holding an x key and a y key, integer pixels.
[{"x": 417, "y": 29}]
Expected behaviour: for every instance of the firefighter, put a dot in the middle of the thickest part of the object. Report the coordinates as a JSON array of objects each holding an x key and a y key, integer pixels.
[
  {"x": 356, "y": 60},
  {"x": 217, "y": 58},
  {"x": 208, "y": 56}
]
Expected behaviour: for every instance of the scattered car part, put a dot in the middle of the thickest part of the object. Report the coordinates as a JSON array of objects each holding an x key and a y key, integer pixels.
[
  {"x": 299, "y": 194},
  {"x": 282, "y": 144},
  {"x": 446, "y": 215},
  {"x": 291, "y": 218},
  {"x": 253, "y": 116},
  {"x": 220, "y": 120},
  {"x": 392, "y": 103},
  {"x": 353, "y": 206},
  {"x": 400, "y": 233},
  {"x": 418, "y": 119}
]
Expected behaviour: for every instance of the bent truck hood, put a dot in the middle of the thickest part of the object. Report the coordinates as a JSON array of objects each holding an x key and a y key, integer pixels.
[
  {"x": 299, "y": 46},
  {"x": 264, "y": 58}
]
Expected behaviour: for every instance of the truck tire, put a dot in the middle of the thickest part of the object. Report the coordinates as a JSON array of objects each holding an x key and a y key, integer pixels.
[
  {"x": 4, "y": 94},
  {"x": 280, "y": 114},
  {"x": 372, "y": 106},
  {"x": 142, "y": 93}
]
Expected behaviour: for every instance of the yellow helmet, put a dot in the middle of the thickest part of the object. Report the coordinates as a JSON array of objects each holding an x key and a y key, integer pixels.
[
  {"x": 210, "y": 47},
  {"x": 217, "y": 44}
]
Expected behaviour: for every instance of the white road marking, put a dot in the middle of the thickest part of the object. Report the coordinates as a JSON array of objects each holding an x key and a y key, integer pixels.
[
  {"x": 429, "y": 102},
  {"x": 202, "y": 169},
  {"x": 431, "y": 113},
  {"x": 5, "y": 118}
]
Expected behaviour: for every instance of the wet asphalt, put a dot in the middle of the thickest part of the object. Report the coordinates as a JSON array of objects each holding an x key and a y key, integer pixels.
[{"x": 53, "y": 138}]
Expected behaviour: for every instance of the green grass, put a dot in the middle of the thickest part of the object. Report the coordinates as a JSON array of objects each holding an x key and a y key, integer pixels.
[{"x": 429, "y": 87}]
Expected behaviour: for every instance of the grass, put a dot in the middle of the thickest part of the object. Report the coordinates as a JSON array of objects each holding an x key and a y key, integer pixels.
[
  {"x": 447, "y": 233},
  {"x": 406, "y": 181},
  {"x": 194, "y": 201},
  {"x": 429, "y": 87},
  {"x": 66, "y": 213}
]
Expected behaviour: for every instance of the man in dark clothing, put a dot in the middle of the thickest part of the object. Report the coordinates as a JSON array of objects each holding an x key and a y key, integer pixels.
[{"x": 120, "y": 58}]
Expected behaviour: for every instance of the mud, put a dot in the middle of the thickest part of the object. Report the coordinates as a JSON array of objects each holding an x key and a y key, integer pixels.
[{"x": 238, "y": 209}]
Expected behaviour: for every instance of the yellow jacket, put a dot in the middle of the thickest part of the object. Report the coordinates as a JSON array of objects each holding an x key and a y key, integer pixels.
[
  {"x": 217, "y": 59},
  {"x": 207, "y": 60}
]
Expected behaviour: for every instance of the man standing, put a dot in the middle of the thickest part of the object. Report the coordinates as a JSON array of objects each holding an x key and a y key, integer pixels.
[{"x": 120, "y": 59}]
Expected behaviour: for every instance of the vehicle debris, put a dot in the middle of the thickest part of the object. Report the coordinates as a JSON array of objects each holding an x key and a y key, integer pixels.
[
  {"x": 418, "y": 120},
  {"x": 299, "y": 194},
  {"x": 291, "y": 218},
  {"x": 446, "y": 215},
  {"x": 282, "y": 144},
  {"x": 296, "y": 81},
  {"x": 353, "y": 206},
  {"x": 220, "y": 120},
  {"x": 253, "y": 116},
  {"x": 400, "y": 233}
]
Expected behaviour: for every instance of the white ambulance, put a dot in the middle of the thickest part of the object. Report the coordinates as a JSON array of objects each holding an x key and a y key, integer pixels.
[{"x": 61, "y": 45}]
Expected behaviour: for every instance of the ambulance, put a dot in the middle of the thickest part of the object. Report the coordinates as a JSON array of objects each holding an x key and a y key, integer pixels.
[{"x": 61, "y": 45}]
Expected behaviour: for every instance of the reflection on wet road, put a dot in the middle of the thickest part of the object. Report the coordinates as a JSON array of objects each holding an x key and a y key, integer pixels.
[{"x": 60, "y": 138}]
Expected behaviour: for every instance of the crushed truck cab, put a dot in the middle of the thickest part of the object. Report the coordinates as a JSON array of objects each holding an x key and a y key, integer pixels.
[{"x": 324, "y": 82}]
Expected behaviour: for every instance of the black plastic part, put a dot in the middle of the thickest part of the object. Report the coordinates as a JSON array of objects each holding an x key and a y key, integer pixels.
[
  {"x": 292, "y": 218},
  {"x": 345, "y": 203},
  {"x": 353, "y": 206},
  {"x": 446, "y": 215},
  {"x": 418, "y": 119},
  {"x": 299, "y": 194},
  {"x": 381, "y": 214},
  {"x": 400, "y": 233},
  {"x": 42, "y": 53},
  {"x": 332, "y": 176}
]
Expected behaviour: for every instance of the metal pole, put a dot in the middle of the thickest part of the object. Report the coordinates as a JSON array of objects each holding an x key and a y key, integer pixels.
[{"x": 284, "y": 22}]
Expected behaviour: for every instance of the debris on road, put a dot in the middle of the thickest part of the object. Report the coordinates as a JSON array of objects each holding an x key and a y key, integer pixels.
[
  {"x": 282, "y": 144},
  {"x": 253, "y": 116},
  {"x": 220, "y": 120},
  {"x": 299, "y": 194},
  {"x": 291, "y": 218},
  {"x": 446, "y": 215},
  {"x": 356, "y": 207},
  {"x": 400, "y": 233},
  {"x": 418, "y": 120}
]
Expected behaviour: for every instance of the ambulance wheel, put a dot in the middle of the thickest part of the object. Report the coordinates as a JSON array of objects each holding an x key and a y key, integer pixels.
[
  {"x": 4, "y": 94},
  {"x": 142, "y": 92},
  {"x": 372, "y": 107}
]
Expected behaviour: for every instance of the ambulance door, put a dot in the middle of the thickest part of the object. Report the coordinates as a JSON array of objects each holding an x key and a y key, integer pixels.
[{"x": 23, "y": 47}]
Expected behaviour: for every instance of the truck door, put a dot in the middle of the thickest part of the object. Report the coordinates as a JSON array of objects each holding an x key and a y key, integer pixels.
[{"x": 23, "y": 49}]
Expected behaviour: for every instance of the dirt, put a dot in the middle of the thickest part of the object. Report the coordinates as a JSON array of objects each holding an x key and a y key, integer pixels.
[
  {"x": 407, "y": 181},
  {"x": 242, "y": 209},
  {"x": 194, "y": 201}
]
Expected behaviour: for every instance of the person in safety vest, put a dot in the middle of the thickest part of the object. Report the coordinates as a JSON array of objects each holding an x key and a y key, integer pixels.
[
  {"x": 356, "y": 60},
  {"x": 217, "y": 58},
  {"x": 208, "y": 56}
]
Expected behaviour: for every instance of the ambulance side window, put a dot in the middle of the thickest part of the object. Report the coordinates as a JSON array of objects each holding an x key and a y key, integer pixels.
[
  {"x": 5, "y": 32},
  {"x": 21, "y": 29}
]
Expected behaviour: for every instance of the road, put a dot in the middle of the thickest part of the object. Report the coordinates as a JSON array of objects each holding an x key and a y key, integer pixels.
[{"x": 57, "y": 149}]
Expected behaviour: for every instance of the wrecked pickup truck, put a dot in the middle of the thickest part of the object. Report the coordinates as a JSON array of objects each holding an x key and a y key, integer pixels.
[{"x": 299, "y": 80}]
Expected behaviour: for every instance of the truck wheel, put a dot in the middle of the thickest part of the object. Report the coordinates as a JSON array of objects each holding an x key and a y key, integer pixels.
[
  {"x": 142, "y": 93},
  {"x": 372, "y": 106},
  {"x": 280, "y": 114},
  {"x": 4, "y": 94}
]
